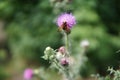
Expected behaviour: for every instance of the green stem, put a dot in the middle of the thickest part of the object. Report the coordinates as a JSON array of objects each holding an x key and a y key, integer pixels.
[
  {"x": 66, "y": 42},
  {"x": 66, "y": 69},
  {"x": 68, "y": 75},
  {"x": 56, "y": 63}
]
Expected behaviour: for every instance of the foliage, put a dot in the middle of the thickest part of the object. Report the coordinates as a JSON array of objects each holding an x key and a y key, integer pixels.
[{"x": 30, "y": 27}]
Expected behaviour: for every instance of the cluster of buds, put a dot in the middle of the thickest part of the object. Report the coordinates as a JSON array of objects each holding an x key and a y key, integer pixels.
[
  {"x": 61, "y": 56},
  {"x": 60, "y": 59},
  {"x": 56, "y": 55}
]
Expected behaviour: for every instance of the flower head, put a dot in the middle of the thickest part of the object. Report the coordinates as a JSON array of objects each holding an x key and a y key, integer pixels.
[
  {"x": 28, "y": 74},
  {"x": 67, "y": 18}
]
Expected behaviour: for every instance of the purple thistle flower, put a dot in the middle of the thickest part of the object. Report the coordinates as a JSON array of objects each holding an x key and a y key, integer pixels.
[
  {"x": 28, "y": 74},
  {"x": 67, "y": 18}
]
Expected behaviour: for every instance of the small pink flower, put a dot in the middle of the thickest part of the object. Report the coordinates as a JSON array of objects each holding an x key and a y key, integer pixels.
[
  {"x": 67, "y": 18},
  {"x": 28, "y": 74},
  {"x": 64, "y": 61},
  {"x": 62, "y": 50}
]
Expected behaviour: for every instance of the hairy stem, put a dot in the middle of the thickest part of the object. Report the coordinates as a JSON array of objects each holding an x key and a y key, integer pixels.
[{"x": 66, "y": 43}]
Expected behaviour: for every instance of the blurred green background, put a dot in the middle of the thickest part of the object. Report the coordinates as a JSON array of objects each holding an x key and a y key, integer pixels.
[{"x": 27, "y": 27}]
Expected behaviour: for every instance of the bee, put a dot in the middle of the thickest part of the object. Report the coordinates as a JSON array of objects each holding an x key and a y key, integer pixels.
[{"x": 65, "y": 28}]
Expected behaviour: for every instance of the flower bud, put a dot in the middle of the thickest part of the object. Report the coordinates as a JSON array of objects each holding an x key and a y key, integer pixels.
[
  {"x": 59, "y": 55},
  {"x": 48, "y": 48},
  {"x": 49, "y": 51},
  {"x": 51, "y": 57},
  {"x": 62, "y": 50},
  {"x": 64, "y": 61}
]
